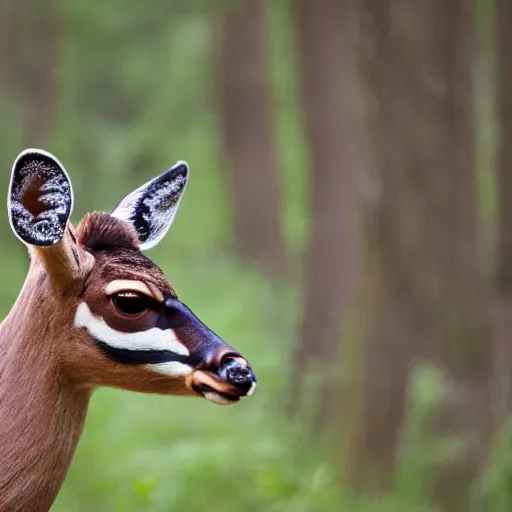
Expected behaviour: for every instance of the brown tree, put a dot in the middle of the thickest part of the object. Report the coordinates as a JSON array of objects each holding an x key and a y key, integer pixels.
[
  {"x": 502, "y": 303},
  {"x": 323, "y": 41},
  {"x": 245, "y": 91},
  {"x": 504, "y": 188},
  {"x": 36, "y": 54},
  {"x": 29, "y": 55},
  {"x": 6, "y": 45},
  {"x": 427, "y": 292}
]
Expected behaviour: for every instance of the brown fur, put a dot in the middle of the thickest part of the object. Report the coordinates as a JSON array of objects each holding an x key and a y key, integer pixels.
[
  {"x": 99, "y": 231},
  {"x": 66, "y": 262},
  {"x": 48, "y": 368},
  {"x": 41, "y": 414}
]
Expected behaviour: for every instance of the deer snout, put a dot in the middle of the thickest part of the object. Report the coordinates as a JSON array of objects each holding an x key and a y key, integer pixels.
[
  {"x": 224, "y": 377},
  {"x": 230, "y": 366},
  {"x": 221, "y": 374},
  {"x": 237, "y": 372}
]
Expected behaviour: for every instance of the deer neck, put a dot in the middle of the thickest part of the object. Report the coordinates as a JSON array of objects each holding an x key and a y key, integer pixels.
[{"x": 41, "y": 412}]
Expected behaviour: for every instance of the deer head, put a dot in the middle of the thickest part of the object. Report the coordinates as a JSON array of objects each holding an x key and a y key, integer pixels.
[{"x": 115, "y": 318}]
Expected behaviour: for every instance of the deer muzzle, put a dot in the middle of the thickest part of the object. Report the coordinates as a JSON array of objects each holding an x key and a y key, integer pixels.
[
  {"x": 221, "y": 374},
  {"x": 226, "y": 383}
]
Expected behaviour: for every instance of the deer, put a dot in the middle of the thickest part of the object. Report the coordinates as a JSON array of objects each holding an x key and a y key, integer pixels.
[{"x": 93, "y": 311}]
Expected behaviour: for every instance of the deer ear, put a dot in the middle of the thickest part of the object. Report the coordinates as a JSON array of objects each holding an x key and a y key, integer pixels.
[
  {"x": 40, "y": 202},
  {"x": 40, "y": 198},
  {"x": 152, "y": 207}
]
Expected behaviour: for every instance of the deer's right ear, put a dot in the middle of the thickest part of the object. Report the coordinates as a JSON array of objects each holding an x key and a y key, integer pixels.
[
  {"x": 39, "y": 204},
  {"x": 40, "y": 198},
  {"x": 152, "y": 207}
]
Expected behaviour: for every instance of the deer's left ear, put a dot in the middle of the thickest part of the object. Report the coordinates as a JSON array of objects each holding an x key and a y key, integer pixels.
[
  {"x": 39, "y": 203},
  {"x": 152, "y": 207},
  {"x": 40, "y": 198}
]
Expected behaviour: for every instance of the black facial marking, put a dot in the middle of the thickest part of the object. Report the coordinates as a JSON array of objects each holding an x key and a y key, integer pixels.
[
  {"x": 177, "y": 314},
  {"x": 138, "y": 357}
]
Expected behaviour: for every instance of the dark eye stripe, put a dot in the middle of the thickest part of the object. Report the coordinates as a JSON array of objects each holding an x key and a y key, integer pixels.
[{"x": 139, "y": 357}]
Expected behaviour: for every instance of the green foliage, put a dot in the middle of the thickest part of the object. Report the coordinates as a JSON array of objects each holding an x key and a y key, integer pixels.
[
  {"x": 495, "y": 488},
  {"x": 135, "y": 96}
]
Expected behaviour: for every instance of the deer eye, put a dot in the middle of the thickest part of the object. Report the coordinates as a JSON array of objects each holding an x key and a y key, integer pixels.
[{"x": 131, "y": 303}]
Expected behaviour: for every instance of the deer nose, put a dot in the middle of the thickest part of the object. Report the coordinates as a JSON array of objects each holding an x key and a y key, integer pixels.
[
  {"x": 237, "y": 372},
  {"x": 209, "y": 352},
  {"x": 231, "y": 367}
]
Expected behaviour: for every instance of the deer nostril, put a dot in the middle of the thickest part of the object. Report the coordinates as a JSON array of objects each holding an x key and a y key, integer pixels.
[{"x": 237, "y": 373}]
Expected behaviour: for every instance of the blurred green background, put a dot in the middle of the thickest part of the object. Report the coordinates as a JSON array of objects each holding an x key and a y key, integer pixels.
[{"x": 345, "y": 227}]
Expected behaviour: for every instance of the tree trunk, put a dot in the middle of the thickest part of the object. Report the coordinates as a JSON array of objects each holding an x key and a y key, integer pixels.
[
  {"x": 323, "y": 48},
  {"x": 29, "y": 41},
  {"x": 6, "y": 45},
  {"x": 245, "y": 91},
  {"x": 502, "y": 305},
  {"x": 420, "y": 136},
  {"x": 36, "y": 67},
  {"x": 504, "y": 188}
]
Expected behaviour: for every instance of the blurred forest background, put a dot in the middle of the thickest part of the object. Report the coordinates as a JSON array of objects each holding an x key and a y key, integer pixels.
[{"x": 347, "y": 226}]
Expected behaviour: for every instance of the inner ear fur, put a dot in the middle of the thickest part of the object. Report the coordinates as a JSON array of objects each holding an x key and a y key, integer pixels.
[
  {"x": 40, "y": 198},
  {"x": 151, "y": 208}
]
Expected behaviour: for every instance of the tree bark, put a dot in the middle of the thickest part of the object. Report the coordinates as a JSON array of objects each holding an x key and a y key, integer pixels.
[
  {"x": 6, "y": 45},
  {"x": 501, "y": 307},
  {"x": 504, "y": 188},
  {"x": 36, "y": 67},
  {"x": 245, "y": 91},
  {"x": 323, "y": 41},
  {"x": 421, "y": 145}
]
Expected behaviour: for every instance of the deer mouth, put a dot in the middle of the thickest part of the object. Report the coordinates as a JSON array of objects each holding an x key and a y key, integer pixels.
[
  {"x": 225, "y": 387},
  {"x": 215, "y": 396}
]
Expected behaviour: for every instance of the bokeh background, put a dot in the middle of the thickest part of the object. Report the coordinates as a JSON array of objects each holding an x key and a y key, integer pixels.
[{"x": 347, "y": 226}]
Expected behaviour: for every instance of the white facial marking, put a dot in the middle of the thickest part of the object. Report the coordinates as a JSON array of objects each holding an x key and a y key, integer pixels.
[
  {"x": 152, "y": 339},
  {"x": 126, "y": 285},
  {"x": 251, "y": 389},
  {"x": 216, "y": 398},
  {"x": 170, "y": 368}
]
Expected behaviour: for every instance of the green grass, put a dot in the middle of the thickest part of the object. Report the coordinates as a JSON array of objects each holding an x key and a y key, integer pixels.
[
  {"x": 152, "y": 453},
  {"x": 146, "y": 452}
]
